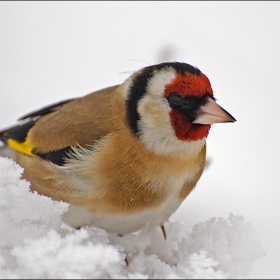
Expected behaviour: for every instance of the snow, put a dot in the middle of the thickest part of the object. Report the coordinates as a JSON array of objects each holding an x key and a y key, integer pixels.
[{"x": 36, "y": 244}]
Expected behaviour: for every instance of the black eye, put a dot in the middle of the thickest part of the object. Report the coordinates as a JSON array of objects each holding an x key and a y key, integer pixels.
[{"x": 175, "y": 98}]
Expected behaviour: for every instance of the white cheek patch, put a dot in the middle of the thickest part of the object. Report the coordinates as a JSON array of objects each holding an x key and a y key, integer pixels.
[
  {"x": 153, "y": 111},
  {"x": 156, "y": 85},
  {"x": 153, "y": 107},
  {"x": 162, "y": 139}
]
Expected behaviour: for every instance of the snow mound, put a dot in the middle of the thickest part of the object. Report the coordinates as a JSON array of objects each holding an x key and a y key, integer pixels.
[{"x": 34, "y": 243}]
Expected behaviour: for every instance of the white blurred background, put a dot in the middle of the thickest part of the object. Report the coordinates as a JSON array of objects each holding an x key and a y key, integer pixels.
[{"x": 51, "y": 51}]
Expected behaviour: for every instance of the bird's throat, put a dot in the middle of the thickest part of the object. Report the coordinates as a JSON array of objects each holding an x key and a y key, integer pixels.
[{"x": 185, "y": 130}]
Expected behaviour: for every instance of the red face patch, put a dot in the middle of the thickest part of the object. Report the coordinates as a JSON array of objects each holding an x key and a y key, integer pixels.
[
  {"x": 189, "y": 85},
  {"x": 186, "y": 131}
]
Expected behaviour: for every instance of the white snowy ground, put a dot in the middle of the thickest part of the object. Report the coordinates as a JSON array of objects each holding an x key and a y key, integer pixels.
[{"x": 34, "y": 243}]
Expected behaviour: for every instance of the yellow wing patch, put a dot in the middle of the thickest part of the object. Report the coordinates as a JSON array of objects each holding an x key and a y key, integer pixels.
[{"x": 24, "y": 147}]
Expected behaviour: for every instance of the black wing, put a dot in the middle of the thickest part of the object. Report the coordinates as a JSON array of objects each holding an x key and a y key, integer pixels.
[{"x": 45, "y": 110}]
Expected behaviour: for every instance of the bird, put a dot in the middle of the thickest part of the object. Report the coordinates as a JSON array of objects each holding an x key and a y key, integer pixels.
[{"x": 124, "y": 157}]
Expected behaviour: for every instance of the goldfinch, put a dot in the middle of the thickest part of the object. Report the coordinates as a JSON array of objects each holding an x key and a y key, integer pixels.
[{"x": 124, "y": 157}]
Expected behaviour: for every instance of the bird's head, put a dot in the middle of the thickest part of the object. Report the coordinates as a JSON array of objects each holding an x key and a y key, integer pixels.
[{"x": 171, "y": 105}]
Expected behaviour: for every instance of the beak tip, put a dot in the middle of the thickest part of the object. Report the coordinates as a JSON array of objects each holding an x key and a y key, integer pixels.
[
  {"x": 214, "y": 113},
  {"x": 231, "y": 118}
]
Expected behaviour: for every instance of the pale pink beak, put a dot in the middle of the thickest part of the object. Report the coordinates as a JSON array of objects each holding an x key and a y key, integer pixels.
[{"x": 211, "y": 112}]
